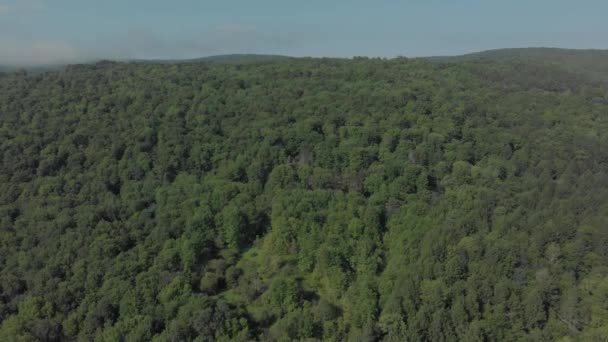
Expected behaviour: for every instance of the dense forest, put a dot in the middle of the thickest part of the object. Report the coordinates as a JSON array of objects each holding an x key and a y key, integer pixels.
[{"x": 305, "y": 199}]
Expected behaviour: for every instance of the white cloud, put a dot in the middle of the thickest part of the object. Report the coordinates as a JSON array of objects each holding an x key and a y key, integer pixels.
[
  {"x": 143, "y": 44},
  {"x": 4, "y": 9},
  {"x": 38, "y": 52},
  {"x": 222, "y": 40}
]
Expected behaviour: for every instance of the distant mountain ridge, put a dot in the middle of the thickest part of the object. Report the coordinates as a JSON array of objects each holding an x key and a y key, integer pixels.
[
  {"x": 230, "y": 58},
  {"x": 590, "y": 64}
]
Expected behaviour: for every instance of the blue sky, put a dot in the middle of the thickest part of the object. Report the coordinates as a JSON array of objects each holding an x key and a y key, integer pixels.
[{"x": 51, "y": 31}]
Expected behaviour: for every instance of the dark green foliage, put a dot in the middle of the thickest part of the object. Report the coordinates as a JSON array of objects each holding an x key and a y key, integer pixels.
[{"x": 304, "y": 199}]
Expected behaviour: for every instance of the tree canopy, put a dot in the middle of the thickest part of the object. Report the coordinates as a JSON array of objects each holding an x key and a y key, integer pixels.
[{"x": 304, "y": 199}]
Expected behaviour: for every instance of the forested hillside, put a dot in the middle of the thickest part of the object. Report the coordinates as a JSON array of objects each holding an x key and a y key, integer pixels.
[
  {"x": 304, "y": 199},
  {"x": 592, "y": 64}
]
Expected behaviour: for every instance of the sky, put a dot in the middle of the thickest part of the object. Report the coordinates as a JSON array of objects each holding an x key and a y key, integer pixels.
[{"x": 66, "y": 31}]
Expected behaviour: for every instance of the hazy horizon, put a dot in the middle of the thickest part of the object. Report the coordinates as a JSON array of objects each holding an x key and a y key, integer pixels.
[{"x": 38, "y": 32}]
